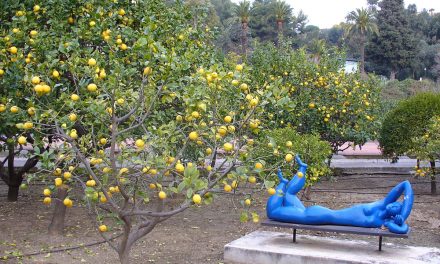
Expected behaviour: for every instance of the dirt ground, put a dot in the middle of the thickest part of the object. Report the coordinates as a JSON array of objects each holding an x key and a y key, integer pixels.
[{"x": 199, "y": 234}]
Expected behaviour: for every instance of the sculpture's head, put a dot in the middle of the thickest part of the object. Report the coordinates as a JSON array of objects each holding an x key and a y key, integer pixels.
[{"x": 394, "y": 209}]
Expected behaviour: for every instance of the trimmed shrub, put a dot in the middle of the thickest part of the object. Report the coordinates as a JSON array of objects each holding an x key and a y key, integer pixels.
[{"x": 408, "y": 120}]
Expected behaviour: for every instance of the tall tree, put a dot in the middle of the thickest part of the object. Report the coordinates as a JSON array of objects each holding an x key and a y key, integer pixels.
[
  {"x": 282, "y": 12},
  {"x": 243, "y": 12},
  {"x": 361, "y": 23},
  {"x": 395, "y": 46}
]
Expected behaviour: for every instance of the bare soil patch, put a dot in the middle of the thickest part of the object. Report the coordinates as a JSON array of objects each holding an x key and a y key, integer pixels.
[{"x": 199, "y": 234}]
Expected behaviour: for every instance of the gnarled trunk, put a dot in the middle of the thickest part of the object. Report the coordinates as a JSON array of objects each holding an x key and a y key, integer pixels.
[
  {"x": 13, "y": 193},
  {"x": 433, "y": 179},
  {"x": 14, "y": 178},
  {"x": 56, "y": 226}
]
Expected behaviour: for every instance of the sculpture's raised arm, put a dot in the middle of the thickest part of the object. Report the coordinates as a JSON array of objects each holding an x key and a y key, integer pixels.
[{"x": 408, "y": 198}]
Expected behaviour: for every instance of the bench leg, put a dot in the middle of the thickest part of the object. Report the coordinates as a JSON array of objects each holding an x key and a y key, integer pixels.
[
  {"x": 380, "y": 243},
  {"x": 294, "y": 235}
]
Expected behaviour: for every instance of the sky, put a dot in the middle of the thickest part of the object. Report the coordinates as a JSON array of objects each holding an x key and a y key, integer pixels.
[{"x": 326, "y": 13}]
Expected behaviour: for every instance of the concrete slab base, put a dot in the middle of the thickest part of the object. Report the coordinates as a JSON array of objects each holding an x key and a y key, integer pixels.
[{"x": 261, "y": 247}]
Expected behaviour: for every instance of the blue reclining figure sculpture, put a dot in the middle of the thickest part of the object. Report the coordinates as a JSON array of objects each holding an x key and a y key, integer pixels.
[{"x": 284, "y": 206}]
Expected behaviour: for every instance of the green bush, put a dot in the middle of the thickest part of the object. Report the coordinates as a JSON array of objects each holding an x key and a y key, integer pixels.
[
  {"x": 310, "y": 147},
  {"x": 408, "y": 120}
]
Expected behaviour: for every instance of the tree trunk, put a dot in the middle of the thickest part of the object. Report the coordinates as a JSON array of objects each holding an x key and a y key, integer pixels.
[
  {"x": 433, "y": 180},
  {"x": 244, "y": 38},
  {"x": 393, "y": 75},
  {"x": 362, "y": 62},
  {"x": 14, "y": 178},
  {"x": 56, "y": 226},
  {"x": 124, "y": 256},
  {"x": 13, "y": 193}
]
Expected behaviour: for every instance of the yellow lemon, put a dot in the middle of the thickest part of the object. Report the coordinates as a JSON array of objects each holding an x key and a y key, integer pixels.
[
  {"x": 56, "y": 74},
  {"x": 30, "y": 111},
  {"x": 271, "y": 191},
  {"x": 58, "y": 182},
  {"x": 74, "y": 97},
  {"x": 140, "y": 143},
  {"x": 252, "y": 179},
  {"x": 103, "y": 228},
  {"x": 92, "y": 87},
  {"x": 73, "y": 117},
  {"x": 13, "y": 50},
  {"x": 47, "y": 192},
  {"x": 162, "y": 195},
  {"x": 22, "y": 140},
  {"x": 228, "y": 119},
  {"x": 148, "y": 70},
  {"x": 67, "y": 175},
  {"x": 35, "y": 80},
  {"x": 197, "y": 199},
  {"x": 193, "y": 135},
  {"x": 180, "y": 168},
  {"x": 91, "y": 183},
  {"x": 208, "y": 151},
  {"x": 91, "y": 62},
  {"x": 47, "y": 200},
  {"x": 228, "y": 147}
]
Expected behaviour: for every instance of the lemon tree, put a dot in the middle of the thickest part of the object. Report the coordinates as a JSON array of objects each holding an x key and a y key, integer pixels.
[
  {"x": 278, "y": 148},
  {"x": 427, "y": 148},
  {"x": 145, "y": 118},
  {"x": 17, "y": 107},
  {"x": 316, "y": 96}
]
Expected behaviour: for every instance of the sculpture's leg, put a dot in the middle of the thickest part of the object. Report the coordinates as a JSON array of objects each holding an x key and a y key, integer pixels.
[{"x": 276, "y": 200}]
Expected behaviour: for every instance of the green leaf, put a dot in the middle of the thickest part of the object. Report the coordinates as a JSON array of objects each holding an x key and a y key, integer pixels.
[
  {"x": 189, "y": 193},
  {"x": 244, "y": 217},
  {"x": 269, "y": 184},
  {"x": 181, "y": 186}
]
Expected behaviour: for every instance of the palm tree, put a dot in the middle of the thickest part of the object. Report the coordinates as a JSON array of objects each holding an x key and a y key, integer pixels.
[
  {"x": 242, "y": 11},
  {"x": 361, "y": 23},
  {"x": 282, "y": 12}
]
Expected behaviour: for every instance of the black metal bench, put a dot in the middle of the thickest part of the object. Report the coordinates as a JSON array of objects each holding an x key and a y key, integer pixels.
[{"x": 337, "y": 229}]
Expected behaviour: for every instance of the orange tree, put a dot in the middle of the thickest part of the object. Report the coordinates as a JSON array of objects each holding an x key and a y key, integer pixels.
[
  {"x": 316, "y": 95},
  {"x": 139, "y": 106}
]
